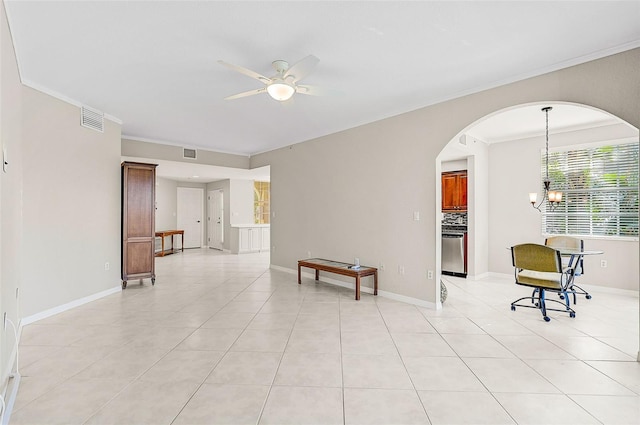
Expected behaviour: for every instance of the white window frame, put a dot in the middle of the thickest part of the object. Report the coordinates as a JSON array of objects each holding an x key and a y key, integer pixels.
[{"x": 592, "y": 190}]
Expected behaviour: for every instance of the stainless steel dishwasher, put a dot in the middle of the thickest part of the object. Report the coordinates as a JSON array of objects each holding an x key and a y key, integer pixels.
[{"x": 453, "y": 254}]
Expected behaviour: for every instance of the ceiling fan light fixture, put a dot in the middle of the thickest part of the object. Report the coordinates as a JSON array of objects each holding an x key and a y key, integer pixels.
[{"x": 280, "y": 90}]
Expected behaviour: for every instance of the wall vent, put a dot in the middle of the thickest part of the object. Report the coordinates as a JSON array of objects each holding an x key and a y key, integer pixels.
[
  {"x": 92, "y": 119},
  {"x": 189, "y": 153}
]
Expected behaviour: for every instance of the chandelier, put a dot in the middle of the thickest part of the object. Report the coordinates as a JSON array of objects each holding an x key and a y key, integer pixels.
[{"x": 552, "y": 196}]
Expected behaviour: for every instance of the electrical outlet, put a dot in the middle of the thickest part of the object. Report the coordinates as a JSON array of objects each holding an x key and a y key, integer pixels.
[
  {"x": 400, "y": 269},
  {"x": 381, "y": 267},
  {"x": 308, "y": 254},
  {"x": 603, "y": 264},
  {"x": 430, "y": 274},
  {"x": 106, "y": 266}
]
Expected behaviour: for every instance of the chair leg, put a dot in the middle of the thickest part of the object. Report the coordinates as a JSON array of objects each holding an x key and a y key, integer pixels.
[
  {"x": 575, "y": 289},
  {"x": 543, "y": 306}
]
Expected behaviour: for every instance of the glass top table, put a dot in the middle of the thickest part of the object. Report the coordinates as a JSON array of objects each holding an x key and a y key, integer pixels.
[{"x": 338, "y": 267}]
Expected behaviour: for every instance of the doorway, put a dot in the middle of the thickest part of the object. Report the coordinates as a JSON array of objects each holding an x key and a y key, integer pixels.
[
  {"x": 215, "y": 219},
  {"x": 190, "y": 212}
]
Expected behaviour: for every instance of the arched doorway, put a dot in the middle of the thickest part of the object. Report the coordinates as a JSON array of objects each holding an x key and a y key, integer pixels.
[{"x": 502, "y": 154}]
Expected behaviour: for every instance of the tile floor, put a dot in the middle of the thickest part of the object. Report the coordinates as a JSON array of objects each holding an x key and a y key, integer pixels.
[{"x": 222, "y": 339}]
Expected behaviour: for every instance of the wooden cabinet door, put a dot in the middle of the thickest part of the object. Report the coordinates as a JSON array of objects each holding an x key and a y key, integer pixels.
[
  {"x": 454, "y": 191},
  {"x": 449, "y": 192},
  {"x": 138, "y": 221},
  {"x": 462, "y": 191}
]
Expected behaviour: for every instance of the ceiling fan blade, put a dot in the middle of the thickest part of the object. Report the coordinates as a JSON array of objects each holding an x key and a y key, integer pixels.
[
  {"x": 245, "y": 71},
  {"x": 246, "y": 93},
  {"x": 316, "y": 91},
  {"x": 302, "y": 68}
]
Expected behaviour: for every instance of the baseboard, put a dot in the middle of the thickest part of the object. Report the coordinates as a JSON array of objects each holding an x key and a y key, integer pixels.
[
  {"x": 365, "y": 289},
  {"x": 68, "y": 306},
  {"x": 494, "y": 275}
]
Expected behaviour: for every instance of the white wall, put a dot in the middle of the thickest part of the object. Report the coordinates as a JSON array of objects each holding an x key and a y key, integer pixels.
[
  {"x": 514, "y": 172},
  {"x": 166, "y": 204},
  {"x": 353, "y": 193},
  {"x": 10, "y": 196},
  {"x": 136, "y": 148},
  {"x": 71, "y": 205},
  {"x": 241, "y": 196}
]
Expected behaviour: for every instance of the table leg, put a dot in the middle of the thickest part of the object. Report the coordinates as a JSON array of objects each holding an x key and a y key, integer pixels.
[
  {"x": 299, "y": 280},
  {"x": 375, "y": 283},
  {"x": 357, "y": 288},
  {"x": 182, "y": 240},
  {"x": 317, "y": 274},
  {"x": 162, "y": 252},
  {"x": 172, "y": 244}
]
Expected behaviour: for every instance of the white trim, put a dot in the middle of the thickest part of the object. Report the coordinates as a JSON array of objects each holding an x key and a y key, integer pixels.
[
  {"x": 366, "y": 289},
  {"x": 496, "y": 275},
  {"x": 66, "y": 99},
  {"x": 591, "y": 145},
  {"x": 480, "y": 276},
  {"x": 68, "y": 306}
]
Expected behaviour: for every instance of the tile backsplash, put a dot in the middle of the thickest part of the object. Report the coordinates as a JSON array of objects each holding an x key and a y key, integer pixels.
[{"x": 459, "y": 218}]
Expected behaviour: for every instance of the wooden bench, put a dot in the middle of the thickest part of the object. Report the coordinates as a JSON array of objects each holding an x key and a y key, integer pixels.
[
  {"x": 344, "y": 269},
  {"x": 164, "y": 233}
]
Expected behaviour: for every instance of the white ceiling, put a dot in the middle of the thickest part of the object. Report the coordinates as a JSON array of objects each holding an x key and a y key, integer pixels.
[
  {"x": 153, "y": 65},
  {"x": 529, "y": 121}
]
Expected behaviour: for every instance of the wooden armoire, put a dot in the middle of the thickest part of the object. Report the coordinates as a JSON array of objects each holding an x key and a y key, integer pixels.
[{"x": 138, "y": 221}]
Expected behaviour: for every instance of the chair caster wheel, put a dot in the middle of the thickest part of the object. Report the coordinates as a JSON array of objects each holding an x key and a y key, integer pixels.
[
  {"x": 572, "y": 314},
  {"x": 513, "y": 308},
  {"x": 588, "y": 296},
  {"x": 547, "y": 319},
  {"x": 561, "y": 297}
]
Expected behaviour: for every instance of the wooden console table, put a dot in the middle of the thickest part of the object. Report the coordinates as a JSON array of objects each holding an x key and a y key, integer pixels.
[
  {"x": 162, "y": 234},
  {"x": 344, "y": 269}
]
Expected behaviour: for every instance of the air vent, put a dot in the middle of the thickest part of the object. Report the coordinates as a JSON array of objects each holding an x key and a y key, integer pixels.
[
  {"x": 189, "y": 153},
  {"x": 92, "y": 119}
]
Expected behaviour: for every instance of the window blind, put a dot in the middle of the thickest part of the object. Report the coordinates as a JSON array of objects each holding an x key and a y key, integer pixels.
[{"x": 599, "y": 191}]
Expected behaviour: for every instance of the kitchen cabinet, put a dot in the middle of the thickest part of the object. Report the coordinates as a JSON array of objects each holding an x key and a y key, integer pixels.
[
  {"x": 454, "y": 191},
  {"x": 138, "y": 184},
  {"x": 250, "y": 238}
]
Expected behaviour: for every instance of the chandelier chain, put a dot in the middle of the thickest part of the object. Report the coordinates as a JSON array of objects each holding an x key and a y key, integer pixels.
[{"x": 547, "y": 140}]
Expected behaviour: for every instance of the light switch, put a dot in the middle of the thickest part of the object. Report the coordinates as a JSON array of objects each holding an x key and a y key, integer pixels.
[{"x": 416, "y": 215}]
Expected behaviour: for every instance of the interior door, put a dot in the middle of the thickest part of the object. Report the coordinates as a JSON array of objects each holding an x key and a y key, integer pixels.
[
  {"x": 190, "y": 215},
  {"x": 216, "y": 219}
]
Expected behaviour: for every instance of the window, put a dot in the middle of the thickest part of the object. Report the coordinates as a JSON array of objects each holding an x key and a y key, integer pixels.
[
  {"x": 600, "y": 191},
  {"x": 261, "y": 200}
]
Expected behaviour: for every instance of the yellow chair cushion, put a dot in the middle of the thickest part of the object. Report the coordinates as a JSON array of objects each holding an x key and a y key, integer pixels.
[{"x": 539, "y": 279}]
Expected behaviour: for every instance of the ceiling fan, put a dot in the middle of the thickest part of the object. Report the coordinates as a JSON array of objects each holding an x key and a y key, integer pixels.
[{"x": 284, "y": 84}]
